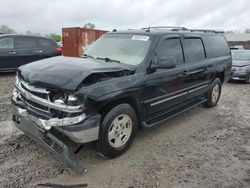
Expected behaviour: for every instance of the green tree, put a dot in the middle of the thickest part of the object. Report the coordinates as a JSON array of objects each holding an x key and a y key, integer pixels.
[
  {"x": 55, "y": 37},
  {"x": 89, "y": 26},
  {"x": 6, "y": 29}
]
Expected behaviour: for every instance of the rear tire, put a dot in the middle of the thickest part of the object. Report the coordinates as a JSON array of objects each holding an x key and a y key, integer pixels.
[
  {"x": 213, "y": 94},
  {"x": 117, "y": 131}
]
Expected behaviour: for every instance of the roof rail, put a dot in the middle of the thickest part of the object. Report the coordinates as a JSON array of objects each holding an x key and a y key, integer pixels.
[
  {"x": 206, "y": 31},
  {"x": 164, "y": 27},
  {"x": 174, "y": 28}
]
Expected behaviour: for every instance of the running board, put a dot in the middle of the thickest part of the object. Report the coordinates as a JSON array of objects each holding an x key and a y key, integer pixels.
[{"x": 170, "y": 114}]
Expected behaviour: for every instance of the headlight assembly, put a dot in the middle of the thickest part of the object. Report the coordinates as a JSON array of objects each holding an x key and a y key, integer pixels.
[{"x": 72, "y": 98}]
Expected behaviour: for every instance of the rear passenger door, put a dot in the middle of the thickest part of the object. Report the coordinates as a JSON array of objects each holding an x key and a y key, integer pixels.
[
  {"x": 195, "y": 55},
  {"x": 26, "y": 48}
]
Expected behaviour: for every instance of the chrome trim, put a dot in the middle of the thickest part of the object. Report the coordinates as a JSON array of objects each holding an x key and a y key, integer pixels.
[
  {"x": 178, "y": 95},
  {"x": 167, "y": 99},
  {"x": 198, "y": 88},
  {"x": 53, "y": 122},
  {"x": 43, "y": 102},
  {"x": 32, "y": 88}
]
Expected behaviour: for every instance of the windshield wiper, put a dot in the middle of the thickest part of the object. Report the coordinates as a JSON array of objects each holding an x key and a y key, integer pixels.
[
  {"x": 86, "y": 55},
  {"x": 106, "y": 59}
]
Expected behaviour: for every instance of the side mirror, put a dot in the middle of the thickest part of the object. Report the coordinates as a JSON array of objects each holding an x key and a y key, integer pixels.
[{"x": 168, "y": 62}]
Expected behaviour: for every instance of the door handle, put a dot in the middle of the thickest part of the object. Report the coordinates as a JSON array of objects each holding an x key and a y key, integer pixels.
[
  {"x": 208, "y": 67},
  {"x": 12, "y": 53},
  {"x": 185, "y": 73},
  {"x": 39, "y": 51}
]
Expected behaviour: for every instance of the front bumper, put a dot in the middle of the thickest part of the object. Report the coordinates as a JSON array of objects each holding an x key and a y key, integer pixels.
[
  {"x": 83, "y": 132},
  {"x": 80, "y": 132},
  {"x": 45, "y": 138},
  {"x": 239, "y": 75}
]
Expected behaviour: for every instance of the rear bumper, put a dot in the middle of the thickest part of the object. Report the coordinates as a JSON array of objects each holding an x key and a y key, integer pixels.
[{"x": 46, "y": 139}]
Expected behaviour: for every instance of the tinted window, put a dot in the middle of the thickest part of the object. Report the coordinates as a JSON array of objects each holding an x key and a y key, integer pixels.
[
  {"x": 26, "y": 43},
  {"x": 6, "y": 43},
  {"x": 218, "y": 45},
  {"x": 172, "y": 47},
  {"x": 46, "y": 43},
  {"x": 194, "y": 49}
]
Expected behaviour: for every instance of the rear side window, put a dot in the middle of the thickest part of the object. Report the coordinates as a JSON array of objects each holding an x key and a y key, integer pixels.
[
  {"x": 46, "y": 43},
  {"x": 172, "y": 47},
  {"x": 218, "y": 45},
  {"x": 194, "y": 50},
  {"x": 6, "y": 43},
  {"x": 26, "y": 43}
]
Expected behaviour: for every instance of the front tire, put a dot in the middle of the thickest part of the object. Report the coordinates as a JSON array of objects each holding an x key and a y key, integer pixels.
[
  {"x": 117, "y": 131},
  {"x": 214, "y": 93}
]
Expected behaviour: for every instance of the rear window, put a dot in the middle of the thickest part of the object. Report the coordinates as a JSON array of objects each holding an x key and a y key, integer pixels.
[
  {"x": 26, "y": 43},
  {"x": 194, "y": 50},
  {"x": 6, "y": 43},
  {"x": 46, "y": 43},
  {"x": 218, "y": 45}
]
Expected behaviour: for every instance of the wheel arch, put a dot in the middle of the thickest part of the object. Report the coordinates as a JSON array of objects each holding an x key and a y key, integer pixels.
[
  {"x": 220, "y": 75},
  {"x": 131, "y": 100}
]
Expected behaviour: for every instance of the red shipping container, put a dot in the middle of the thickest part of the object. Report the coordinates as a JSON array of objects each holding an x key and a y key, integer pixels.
[{"x": 75, "y": 39}]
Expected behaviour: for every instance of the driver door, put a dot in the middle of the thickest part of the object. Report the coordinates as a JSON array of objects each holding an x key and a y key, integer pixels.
[{"x": 165, "y": 88}]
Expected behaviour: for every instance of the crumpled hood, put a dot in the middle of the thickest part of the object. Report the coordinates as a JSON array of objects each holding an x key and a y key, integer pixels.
[
  {"x": 65, "y": 73},
  {"x": 239, "y": 63}
]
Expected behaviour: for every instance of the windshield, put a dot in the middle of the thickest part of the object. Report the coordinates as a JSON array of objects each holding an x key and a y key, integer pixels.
[
  {"x": 125, "y": 48},
  {"x": 241, "y": 55}
]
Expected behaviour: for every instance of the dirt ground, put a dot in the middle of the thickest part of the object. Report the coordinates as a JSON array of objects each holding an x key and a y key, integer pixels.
[{"x": 201, "y": 148}]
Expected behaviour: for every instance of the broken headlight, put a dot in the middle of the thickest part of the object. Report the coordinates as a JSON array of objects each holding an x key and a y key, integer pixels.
[
  {"x": 58, "y": 97},
  {"x": 68, "y": 99},
  {"x": 73, "y": 100}
]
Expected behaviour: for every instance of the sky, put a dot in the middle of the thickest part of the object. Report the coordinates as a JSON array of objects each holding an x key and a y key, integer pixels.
[{"x": 50, "y": 16}]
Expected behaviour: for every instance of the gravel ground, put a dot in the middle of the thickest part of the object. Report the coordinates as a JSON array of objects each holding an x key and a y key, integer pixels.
[{"x": 201, "y": 148}]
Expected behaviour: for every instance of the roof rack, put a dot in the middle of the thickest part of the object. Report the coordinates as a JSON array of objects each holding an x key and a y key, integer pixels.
[
  {"x": 206, "y": 31},
  {"x": 164, "y": 27},
  {"x": 173, "y": 28}
]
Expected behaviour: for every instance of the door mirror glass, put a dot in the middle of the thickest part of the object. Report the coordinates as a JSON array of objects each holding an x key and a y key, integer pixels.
[{"x": 168, "y": 62}]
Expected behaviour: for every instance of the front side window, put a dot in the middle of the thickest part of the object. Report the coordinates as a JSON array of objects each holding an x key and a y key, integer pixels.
[
  {"x": 194, "y": 50},
  {"x": 127, "y": 48},
  {"x": 172, "y": 47},
  {"x": 6, "y": 43}
]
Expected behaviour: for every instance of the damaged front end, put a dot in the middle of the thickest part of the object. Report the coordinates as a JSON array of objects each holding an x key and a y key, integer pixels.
[{"x": 39, "y": 112}]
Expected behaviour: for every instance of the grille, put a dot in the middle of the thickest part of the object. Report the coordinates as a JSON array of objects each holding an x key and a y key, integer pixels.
[
  {"x": 39, "y": 92},
  {"x": 40, "y": 95}
]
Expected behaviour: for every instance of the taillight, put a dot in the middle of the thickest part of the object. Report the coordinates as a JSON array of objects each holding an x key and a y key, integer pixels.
[{"x": 59, "y": 51}]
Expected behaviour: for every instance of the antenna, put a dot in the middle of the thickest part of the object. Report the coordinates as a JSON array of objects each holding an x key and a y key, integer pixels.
[{"x": 148, "y": 29}]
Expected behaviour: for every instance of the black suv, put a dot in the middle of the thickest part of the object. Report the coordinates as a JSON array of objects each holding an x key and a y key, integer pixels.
[
  {"x": 125, "y": 80},
  {"x": 17, "y": 50}
]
